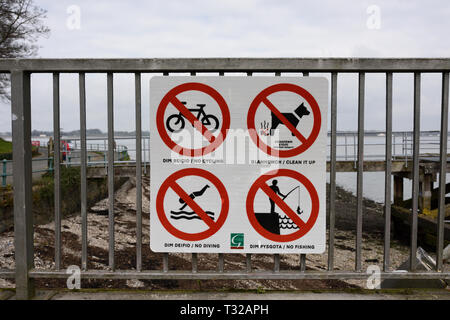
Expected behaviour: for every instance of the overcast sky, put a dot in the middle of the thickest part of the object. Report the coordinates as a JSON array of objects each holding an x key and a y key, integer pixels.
[{"x": 240, "y": 28}]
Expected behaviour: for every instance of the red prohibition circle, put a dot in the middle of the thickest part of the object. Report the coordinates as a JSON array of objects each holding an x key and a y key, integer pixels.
[
  {"x": 171, "y": 96},
  {"x": 306, "y": 226},
  {"x": 170, "y": 182},
  {"x": 262, "y": 97}
]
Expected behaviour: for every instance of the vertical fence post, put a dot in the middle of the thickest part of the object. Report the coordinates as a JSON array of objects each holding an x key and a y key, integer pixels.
[
  {"x": 111, "y": 149},
  {"x": 57, "y": 168},
  {"x": 4, "y": 173},
  {"x": 388, "y": 174},
  {"x": 248, "y": 256},
  {"x": 145, "y": 156},
  {"x": 83, "y": 166},
  {"x": 415, "y": 170},
  {"x": 354, "y": 151},
  {"x": 23, "y": 216},
  {"x": 442, "y": 172},
  {"x": 360, "y": 172},
  {"x": 221, "y": 262},
  {"x": 138, "y": 114},
  {"x": 345, "y": 137},
  {"x": 303, "y": 256},
  {"x": 332, "y": 205}
]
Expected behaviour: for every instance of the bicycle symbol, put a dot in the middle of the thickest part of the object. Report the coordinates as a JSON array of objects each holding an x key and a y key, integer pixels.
[{"x": 176, "y": 122}]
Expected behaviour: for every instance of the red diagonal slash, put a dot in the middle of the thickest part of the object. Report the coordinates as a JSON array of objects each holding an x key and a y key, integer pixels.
[
  {"x": 193, "y": 120},
  {"x": 284, "y": 120},
  {"x": 192, "y": 204},
  {"x": 288, "y": 211}
]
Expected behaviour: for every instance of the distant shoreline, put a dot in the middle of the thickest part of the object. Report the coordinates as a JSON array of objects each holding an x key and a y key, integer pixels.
[{"x": 96, "y": 133}]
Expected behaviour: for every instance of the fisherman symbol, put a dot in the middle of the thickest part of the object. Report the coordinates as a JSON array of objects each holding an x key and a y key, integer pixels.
[
  {"x": 181, "y": 214},
  {"x": 275, "y": 189},
  {"x": 273, "y": 222}
]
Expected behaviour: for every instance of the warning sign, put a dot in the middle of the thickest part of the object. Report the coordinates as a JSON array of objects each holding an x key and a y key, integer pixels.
[
  {"x": 268, "y": 223},
  {"x": 238, "y": 164},
  {"x": 187, "y": 207},
  {"x": 205, "y": 123},
  {"x": 288, "y": 119}
]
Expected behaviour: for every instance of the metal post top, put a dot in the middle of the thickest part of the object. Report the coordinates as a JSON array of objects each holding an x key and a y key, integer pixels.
[{"x": 228, "y": 65}]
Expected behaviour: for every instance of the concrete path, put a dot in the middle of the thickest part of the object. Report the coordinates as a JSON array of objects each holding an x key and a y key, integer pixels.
[
  {"x": 410, "y": 294},
  {"x": 40, "y": 164}
]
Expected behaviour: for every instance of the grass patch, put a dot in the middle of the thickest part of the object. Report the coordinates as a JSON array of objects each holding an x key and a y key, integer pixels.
[
  {"x": 5, "y": 146},
  {"x": 5, "y": 149}
]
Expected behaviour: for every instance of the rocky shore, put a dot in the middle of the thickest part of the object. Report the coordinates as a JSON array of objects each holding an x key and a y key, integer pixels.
[{"x": 125, "y": 251}]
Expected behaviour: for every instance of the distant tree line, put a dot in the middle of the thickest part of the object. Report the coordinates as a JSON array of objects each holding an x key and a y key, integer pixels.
[{"x": 89, "y": 132}]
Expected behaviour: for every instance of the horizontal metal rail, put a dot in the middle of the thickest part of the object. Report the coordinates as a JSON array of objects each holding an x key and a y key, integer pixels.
[
  {"x": 227, "y": 65},
  {"x": 4, "y": 173},
  {"x": 239, "y": 275},
  {"x": 7, "y": 274}
]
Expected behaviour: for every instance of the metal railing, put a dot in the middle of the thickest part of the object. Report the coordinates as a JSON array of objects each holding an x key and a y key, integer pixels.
[
  {"x": 402, "y": 147},
  {"x": 20, "y": 70},
  {"x": 4, "y": 171},
  {"x": 75, "y": 153}
]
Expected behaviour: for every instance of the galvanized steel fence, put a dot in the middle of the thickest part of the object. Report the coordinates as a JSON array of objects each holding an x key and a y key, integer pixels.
[{"x": 21, "y": 70}]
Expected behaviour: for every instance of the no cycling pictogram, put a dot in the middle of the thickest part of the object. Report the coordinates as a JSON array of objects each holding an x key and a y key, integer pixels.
[
  {"x": 263, "y": 98},
  {"x": 260, "y": 184},
  {"x": 171, "y": 98},
  {"x": 171, "y": 182}
]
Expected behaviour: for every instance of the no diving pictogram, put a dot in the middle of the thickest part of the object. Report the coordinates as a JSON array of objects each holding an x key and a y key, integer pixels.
[
  {"x": 261, "y": 184},
  {"x": 171, "y": 182},
  {"x": 263, "y": 98},
  {"x": 171, "y": 98}
]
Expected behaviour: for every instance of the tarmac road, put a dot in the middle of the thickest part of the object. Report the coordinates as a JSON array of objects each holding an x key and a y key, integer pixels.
[{"x": 242, "y": 296}]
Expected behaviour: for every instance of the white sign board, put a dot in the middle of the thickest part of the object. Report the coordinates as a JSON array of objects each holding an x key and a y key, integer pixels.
[{"x": 238, "y": 164}]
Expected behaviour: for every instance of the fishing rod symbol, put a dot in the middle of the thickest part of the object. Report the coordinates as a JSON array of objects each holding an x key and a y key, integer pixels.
[
  {"x": 299, "y": 212},
  {"x": 276, "y": 189}
]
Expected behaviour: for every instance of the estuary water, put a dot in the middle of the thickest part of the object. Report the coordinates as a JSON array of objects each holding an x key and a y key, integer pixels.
[{"x": 374, "y": 149}]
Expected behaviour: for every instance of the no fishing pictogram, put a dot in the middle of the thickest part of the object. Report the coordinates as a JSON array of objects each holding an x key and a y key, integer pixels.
[{"x": 303, "y": 226}]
